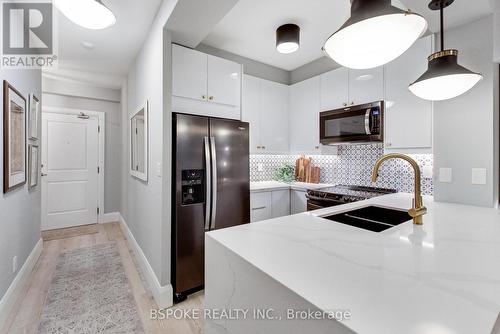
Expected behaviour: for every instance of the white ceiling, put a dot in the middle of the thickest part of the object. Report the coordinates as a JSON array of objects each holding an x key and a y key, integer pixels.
[
  {"x": 115, "y": 47},
  {"x": 249, "y": 28}
]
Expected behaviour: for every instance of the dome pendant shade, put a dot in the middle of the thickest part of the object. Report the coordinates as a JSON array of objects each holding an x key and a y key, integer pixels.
[
  {"x": 288, "y": 38},
  {"x": 445, "y": 78},
  {"x": 375, "y": 34},
  {"x": 90, "y": 14}
]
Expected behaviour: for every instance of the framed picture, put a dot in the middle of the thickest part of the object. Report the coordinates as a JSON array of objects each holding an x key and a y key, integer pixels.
[
  {"x": 33, "y": 117},
  {"x": 33, "y": 166},
  {"x": 14, "y": 138}
]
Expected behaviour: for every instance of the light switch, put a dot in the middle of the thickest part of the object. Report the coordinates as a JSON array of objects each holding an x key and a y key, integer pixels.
[
  {"x": 158, "y": 169},
  {"x": 445, "y": 175},
  {"x": 260, "y": 167},
  {"x": 427, "y": 172},
  {"x": 479, "y": 176}
]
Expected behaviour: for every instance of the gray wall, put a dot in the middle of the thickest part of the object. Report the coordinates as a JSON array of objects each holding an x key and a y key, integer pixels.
[
  {"x": 465, "y": 128},
  {"x": 19, "y": 209},
  {"x": 143, "y": 202},
  {"x": 78, "y": 96}
]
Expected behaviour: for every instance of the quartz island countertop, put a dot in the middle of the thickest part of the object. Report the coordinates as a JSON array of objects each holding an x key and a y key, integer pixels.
[{"x": 442, "y": 277}]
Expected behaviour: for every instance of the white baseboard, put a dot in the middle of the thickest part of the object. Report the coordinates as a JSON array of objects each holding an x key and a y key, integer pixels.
[
  {"x": 19, "y": 283},
  {"x": 163, "y": 295},
  {"x": 110, "y": 217}
]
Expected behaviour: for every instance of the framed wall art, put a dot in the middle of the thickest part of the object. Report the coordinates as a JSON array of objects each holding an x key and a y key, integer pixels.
[
  {"x": 34, "y": 111},
  {"x": 14, "y": 138},
  {"x": 33, "y": 166}
]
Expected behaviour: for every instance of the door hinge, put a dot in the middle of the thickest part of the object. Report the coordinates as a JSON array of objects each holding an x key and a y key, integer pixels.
[
  {"x": 98, "y": 210},
  {"x": 98, "y": 169},
  {"x": 98, "y": 128}
]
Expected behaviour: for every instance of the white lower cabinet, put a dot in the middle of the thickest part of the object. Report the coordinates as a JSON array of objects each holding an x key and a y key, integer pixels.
[
  {"x": 269, "y": 204},
  {"x": 298, "y": 201}
]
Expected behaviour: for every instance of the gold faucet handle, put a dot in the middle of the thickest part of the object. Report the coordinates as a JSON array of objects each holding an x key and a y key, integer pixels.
[{"x": 413, "y": 212}]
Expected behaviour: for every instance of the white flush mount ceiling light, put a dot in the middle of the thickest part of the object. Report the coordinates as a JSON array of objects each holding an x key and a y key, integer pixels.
[
  {"x": 90, "y": 14},
  {"x": 375, "y": 34},
  {"x": 445, "y": 78},
  {"x": 288, "y": 38}
]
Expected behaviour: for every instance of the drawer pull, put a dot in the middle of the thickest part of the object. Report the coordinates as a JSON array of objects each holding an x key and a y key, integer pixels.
[{"x": 259, "y": 208}]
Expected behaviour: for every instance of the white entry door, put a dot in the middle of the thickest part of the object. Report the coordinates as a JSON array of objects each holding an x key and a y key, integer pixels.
[{"x": 70, "y": 157}]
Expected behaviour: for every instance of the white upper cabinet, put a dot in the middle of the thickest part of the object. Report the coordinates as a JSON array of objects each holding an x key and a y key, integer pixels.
[
  {"x": 334, "y": 89},
  {"x": 189, "y": 73},
  {"x": 251, "y": 111},
  {"x": 366, "y": 86},
  {"x": 304, "y": 116},
  {"x": 265, "y": 107},
  {"x": 205, "y": 85},
  {"x": 274, "y": 117},
  {"x": 224, "y": 81},
  {"x": 408, "y": 119},
  {"x": 345, "y": 87}
]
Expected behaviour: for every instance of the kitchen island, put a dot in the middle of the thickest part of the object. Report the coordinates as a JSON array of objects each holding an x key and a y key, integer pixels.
[{"x": 442, "y": 277}]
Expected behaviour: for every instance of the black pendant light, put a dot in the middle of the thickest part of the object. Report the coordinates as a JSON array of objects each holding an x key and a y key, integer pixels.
[
  {"x": 288, "y": 38},
  {"x": 444, "y": 78},
  {"x": 375, "y": 34}
]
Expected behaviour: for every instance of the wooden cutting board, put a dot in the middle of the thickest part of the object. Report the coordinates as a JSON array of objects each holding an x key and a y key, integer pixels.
[{"x": 305, "y": 171}]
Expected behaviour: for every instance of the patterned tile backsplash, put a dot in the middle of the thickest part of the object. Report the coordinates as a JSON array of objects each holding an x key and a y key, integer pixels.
[{"x": 352, "y": 166}]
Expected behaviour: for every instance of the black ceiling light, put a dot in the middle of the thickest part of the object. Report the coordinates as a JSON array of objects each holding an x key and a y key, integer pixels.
[
  {"x": 375, "y": 34},
  {"x": 288, "y": 38},
  {"x": 445, "y": 78}
]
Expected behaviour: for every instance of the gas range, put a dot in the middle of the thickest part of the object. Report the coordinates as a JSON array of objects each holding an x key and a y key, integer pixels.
[{"x": 342, "y": 194}]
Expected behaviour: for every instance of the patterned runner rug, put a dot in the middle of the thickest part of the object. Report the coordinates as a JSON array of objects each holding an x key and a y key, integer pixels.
[{"x": 90, "y": 293}]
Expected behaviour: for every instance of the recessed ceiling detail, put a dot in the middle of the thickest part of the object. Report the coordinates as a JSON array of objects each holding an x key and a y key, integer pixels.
[{"x": 249, "y": 29}]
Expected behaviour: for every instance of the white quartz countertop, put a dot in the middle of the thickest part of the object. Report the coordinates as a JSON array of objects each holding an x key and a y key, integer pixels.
[
  {"x": 276, "y": 185},
  {"x": 439, "y": 278}
]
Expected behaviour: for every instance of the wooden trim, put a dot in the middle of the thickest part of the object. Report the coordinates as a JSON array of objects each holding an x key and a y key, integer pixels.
[{"x": 6, "y": 99}]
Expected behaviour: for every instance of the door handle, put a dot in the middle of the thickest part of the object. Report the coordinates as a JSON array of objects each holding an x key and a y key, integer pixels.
[
  {"x": 43, "y": 174},
  {"x": 208, "y": 183},
  {"x": 367, "y": 122},
  {"x": 214, "y": 182}
]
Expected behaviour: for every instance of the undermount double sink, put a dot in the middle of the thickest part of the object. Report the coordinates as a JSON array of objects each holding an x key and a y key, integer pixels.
[{"x": 372, "y": 218}]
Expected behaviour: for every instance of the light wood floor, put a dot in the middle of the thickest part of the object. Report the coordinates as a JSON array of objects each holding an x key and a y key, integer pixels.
[{"x": 25, "y": 317}]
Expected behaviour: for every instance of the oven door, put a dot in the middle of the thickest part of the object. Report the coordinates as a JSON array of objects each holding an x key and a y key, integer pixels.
[{"x": 362, "y": 123}]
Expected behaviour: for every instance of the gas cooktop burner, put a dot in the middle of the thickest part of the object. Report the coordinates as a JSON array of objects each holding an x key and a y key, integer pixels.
[{"x": 345, "y": 194}]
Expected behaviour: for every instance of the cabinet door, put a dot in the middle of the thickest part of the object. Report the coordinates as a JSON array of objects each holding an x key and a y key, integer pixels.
[
  {"x": 280, "y": 203},
  {"x": 408, "y": 119},
  {"x": 334, "y": 89},
  {"x": 189, "y": 73},
  {"x": 261, "y": 206},
  {"x": 304, "y": 116},
  {"x": 250, "y": 110},
  {"x": 224, "y": 81},
  {"x": 366, "y": 86},
  {"x": 274, "y": 117},
  {"x": 298, "y": 201}
]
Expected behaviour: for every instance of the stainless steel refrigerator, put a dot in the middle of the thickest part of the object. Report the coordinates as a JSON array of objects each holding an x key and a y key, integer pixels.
[{"x": 211, "y": 190}]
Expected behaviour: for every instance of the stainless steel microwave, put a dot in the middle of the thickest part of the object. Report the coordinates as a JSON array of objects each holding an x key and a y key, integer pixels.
[{"x": 356, "y": 124}]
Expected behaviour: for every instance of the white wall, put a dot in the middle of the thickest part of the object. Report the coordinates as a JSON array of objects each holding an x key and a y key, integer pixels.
[
  {"x": 143, "y": 202},
  {"x": 19, "y": 209},
  {"x": 465, "y": 131},
  {"x": 80, "y": 96}
]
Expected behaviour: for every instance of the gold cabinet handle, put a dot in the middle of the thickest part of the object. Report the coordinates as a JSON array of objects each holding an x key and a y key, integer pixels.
[
  {"x": 352, "y": 103},
  {"x": 204, "y": 97},
  {"x": 211, "y": 98},
  {"x": 263, "y": 147},
  {"x": 345, "y": 104}
]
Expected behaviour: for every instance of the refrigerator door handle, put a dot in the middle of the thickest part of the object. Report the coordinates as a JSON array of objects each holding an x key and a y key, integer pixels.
[
  {"x": 214, "y": 183},
  {"x": 208, "y": 183}
]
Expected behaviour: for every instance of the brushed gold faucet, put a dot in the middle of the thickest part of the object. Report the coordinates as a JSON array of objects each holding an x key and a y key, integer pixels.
[{"x": 418, "y": 209}]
